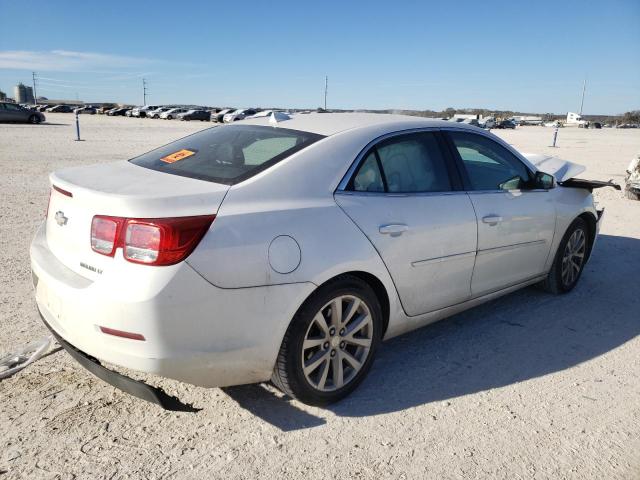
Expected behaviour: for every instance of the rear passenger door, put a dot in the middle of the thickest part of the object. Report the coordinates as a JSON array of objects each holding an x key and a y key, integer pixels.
[
  {"x": 516, "y": 222},
  {"x": 406, "y": 196}
]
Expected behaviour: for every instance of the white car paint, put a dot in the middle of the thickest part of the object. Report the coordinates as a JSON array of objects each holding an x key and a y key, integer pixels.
[
  {"x": 218, "y": 318},
  {"x": 173, "y": 113}
]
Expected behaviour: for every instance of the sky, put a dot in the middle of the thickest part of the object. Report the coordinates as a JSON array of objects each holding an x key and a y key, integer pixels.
[{"x": 507, "y": 55}]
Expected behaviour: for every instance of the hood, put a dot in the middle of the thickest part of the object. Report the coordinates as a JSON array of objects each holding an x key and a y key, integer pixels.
[{"x": 562, "y": 170}]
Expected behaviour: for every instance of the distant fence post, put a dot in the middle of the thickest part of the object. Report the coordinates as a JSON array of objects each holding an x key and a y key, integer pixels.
[{"x": 77, "y": 128}]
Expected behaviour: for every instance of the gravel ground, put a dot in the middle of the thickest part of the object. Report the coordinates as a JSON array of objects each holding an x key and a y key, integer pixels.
[{"x": 528, "y": 386}]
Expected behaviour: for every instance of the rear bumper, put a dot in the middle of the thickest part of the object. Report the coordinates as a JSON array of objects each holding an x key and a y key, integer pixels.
[
  {"x": 193, "y": 331},
  {"x": 129, "y": 385}
]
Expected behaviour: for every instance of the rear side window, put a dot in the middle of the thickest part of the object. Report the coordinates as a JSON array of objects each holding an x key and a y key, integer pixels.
[
  {"x": 411, "y": 163},
  {"x": 228, "y": 154}
]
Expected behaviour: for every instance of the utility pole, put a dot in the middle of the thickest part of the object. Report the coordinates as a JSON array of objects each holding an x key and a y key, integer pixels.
[
  {"x": 326, "y": 87},
  {"x": 584, "y": 87},
  {"x": 35, "y": 95},
  {"x": 144, "y": 92}
]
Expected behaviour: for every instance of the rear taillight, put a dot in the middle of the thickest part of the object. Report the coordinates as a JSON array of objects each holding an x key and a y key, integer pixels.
[
  {"x": 150, "y": 241},
  {"x": 104, "y": 234}
]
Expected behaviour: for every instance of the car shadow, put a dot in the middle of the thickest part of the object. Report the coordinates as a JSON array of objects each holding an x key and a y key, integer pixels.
[{"x": 521, "y": 336}]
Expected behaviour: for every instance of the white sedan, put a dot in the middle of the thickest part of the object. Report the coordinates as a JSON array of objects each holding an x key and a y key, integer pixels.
[
  {"x": 172, "y": 113},
  {"x": 287, "y": 248}
]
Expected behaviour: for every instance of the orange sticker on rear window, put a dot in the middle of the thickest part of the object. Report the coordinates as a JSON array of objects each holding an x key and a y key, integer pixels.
[{"x": 179, "y": 155}]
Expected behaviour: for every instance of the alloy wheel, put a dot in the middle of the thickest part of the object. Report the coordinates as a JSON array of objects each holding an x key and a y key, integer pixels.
[
  {"x": 337, "y": 343},
  {"x": 573, "y": 257}
]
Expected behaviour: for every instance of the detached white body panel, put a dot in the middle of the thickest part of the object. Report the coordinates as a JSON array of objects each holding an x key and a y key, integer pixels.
[{"x": 218, "y": 316}]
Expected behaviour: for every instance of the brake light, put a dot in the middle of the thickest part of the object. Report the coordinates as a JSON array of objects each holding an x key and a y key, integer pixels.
[{"x": 150, "y": 241}]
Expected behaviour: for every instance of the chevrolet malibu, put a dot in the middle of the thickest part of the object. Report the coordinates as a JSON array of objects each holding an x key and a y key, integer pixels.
[{"x": 287, "y": 248}]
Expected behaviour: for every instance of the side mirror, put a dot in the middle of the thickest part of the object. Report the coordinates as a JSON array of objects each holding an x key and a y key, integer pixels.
[{"x": 544, "y": 181}]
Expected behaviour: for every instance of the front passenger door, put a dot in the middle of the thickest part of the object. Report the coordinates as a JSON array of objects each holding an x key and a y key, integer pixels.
[{"x": 516, "y": 223}]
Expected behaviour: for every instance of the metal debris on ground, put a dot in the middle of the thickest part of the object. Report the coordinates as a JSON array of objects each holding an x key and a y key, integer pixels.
[{"x": 13, "y": 362}]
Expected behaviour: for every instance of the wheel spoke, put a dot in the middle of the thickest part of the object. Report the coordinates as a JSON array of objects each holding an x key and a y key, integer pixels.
[
  {"x": 351, "y": 311},
  {"x": 322, "y": 323},
  {"x": 338, "y": 372},
  {"x": 315, "y": 361},
  {"x": 358, "y": 324},
  {"x": 351, "y": 360},
  {"x": 312, "y": 342},
  {"x": 336, "y": 313},
  {"x": 360, "y": 342},
  {"x": 323, "y": 376}
]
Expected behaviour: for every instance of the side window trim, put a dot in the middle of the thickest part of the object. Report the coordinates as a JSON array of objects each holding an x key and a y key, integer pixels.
[
  {"x": 382, "y": 174},
  {"x": 457, "y": 186}
]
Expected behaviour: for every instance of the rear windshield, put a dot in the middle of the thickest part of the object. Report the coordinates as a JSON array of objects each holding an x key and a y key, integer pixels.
[{"x": 227, "y": 154}]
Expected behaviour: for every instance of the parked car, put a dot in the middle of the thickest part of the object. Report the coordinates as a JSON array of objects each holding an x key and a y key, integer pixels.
[
  {"x": 505, "y": 124},
  {"x": 11, "y": 112},
  {"x": 141, "y": 112},
  {"x": 172, "y": 113},
  {"x": 219, "y": 117},
  {"x": 60, "y": 109},
  {"x": 251, "y": 252},
  {"x": 118, "y": 112},
  {"x": 487, "y": 123},
  {"x": 239, "y": 114},
  {"x": 42, "y": 108},
  {"x": 156, "y": 113},
  {"x": 129, "y": 113},
  {"x": 85, "y": 110},
  {"x": 105, "y": 108},
  {"x": 201, "y": 115}
]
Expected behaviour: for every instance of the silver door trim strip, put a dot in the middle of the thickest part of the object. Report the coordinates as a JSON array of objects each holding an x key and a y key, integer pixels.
[
  {"x": 431, "y": 261},
  {"x": 507, "y": 248}
]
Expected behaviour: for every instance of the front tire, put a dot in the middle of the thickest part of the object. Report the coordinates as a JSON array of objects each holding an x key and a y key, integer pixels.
[
  {"x": 570, "y": 259},
  {"x": 331, "y": 343},
  {"x": 34, "y": 119}
]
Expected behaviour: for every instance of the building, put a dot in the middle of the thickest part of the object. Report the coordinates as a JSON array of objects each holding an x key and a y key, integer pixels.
[
  {"x": 23, "y": 94},
  {"x": 3, "y": 96}
]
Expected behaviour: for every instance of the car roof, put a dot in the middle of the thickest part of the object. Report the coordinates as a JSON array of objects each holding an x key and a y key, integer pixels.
[{"x": 331, "y": 123}]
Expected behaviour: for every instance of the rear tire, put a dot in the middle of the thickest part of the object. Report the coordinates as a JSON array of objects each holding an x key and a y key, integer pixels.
[
  {"x": 570, "y": 259},
  {"x": 331, "y": 342}
]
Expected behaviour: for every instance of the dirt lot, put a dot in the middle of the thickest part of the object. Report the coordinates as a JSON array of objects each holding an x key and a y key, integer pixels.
[{"x": 528, "y": 386}]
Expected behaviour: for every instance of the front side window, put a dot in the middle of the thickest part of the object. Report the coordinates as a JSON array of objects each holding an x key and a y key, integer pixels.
[
  {"x": 488, "y": 164},
  {"x": 411, "y": 163}
]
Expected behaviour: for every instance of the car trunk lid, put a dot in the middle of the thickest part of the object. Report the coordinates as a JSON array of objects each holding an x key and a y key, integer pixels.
[{"x": 119, "y": 189}]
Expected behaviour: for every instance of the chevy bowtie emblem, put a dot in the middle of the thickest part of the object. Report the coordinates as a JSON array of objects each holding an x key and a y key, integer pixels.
[{"x": 61, "y": 219}]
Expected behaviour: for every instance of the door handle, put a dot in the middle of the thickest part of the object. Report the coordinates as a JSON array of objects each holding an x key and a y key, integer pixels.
[
  {"x": 492, "y": 219},
  {"x": 393, "y": 229}
]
